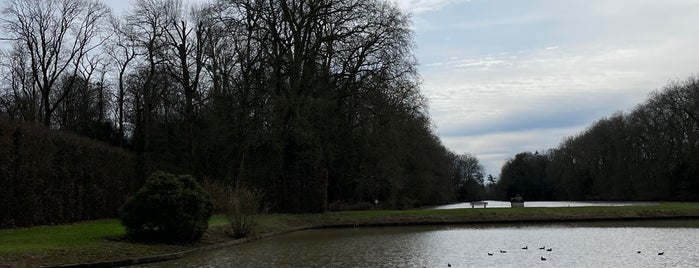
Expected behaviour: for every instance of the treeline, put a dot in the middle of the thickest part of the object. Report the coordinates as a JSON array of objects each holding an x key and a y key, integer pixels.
[
  {"x": 650, "y": 153},
  {"x": 312, "y": 101}
]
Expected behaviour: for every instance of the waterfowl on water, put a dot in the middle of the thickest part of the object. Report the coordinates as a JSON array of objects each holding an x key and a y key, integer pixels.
[
  {"x": 661, "y": 253},
  {"x": 544, "y": 247},
  {"x": 549, "y": 249},
  {"x": 639, "y": 252},
  {"x": 525, "y": 247},
  {"x": 543, "y": 259},
  {"x": 503, "y": 251},
  {"x": 448, "y": 264},
  {"x": 490, "y": 254}
]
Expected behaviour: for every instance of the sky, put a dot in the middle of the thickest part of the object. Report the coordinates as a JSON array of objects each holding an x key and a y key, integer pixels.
[{"x": 507, "y": 76}]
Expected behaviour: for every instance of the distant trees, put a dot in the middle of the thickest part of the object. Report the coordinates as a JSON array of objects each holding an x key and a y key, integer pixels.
[
  {"x": 468, "y": 178},
  {"x": 312, "y": 101},
  {"x": 525, "y": 174},
  {"x": 650, "y": 153}
]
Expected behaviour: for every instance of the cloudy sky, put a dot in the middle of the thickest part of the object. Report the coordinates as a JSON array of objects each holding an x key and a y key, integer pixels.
[{"x": 506, "y": 76}]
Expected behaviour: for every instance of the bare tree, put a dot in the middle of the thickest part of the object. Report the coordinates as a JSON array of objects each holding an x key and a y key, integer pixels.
[
  {"x": 147, "y": 22},
  {"x": 185, "y": 40},
  {"x": 123, "y": 51},
  {"x": 57, "y": 35},
  {"x": 19, "y": 97}
]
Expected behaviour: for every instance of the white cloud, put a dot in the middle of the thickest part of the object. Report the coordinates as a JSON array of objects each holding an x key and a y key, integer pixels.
[
  {"x": 494, "y": 90},
  {"x": 502, "y": 21},
  {"x": 422, "y": 6}
]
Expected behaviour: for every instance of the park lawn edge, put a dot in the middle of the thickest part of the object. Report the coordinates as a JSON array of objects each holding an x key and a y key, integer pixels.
[{"x": 103, "y": 250}]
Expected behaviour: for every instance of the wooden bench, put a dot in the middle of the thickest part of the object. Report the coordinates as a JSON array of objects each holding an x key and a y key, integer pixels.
[{"x": 479, "y": 203}]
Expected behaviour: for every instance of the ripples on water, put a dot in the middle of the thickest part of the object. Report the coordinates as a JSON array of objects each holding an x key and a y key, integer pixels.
[{"x": 606, "y": 244}]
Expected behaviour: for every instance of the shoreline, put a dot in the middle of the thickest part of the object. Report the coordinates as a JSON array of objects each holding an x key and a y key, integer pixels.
[
  {"x": 187, "y": 253},
  {"x": 276, "y": 224}
]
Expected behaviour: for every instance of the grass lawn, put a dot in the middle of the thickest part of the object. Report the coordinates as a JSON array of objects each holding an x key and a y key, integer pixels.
[
  {"x": 86, "y": 234},
  {"x": 64, "y": 236},
  {"x": 93, "y": 241},
  {"x": 84, "y": 242}
]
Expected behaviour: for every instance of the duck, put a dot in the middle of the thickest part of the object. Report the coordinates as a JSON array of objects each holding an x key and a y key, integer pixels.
[
  {"x": 639, "y": 252},
  {"x": 503, "y": 251},
  {"x": 525, "y": 247},
  {"x": 448, "y": 264},
  {"x": 544, "y": 247},
  {"x": 490, "y": 254},
  {"x": 549, "y": 249},
  {"x": 661, "y": 253},
  {"x": 543, "y": 259}
]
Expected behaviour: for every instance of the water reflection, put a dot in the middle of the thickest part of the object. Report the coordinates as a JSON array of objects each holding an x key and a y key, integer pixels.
[{"x": 606, "y": 244}]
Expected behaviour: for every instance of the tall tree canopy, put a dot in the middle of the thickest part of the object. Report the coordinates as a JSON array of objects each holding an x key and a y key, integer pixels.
[{"x": 314, "y": 101}]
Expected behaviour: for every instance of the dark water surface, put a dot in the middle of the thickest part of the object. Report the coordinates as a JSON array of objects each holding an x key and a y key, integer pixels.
[{"x": 603, "y": 244}]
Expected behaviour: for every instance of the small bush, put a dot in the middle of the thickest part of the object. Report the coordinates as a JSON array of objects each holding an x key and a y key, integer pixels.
[
  {"x": 168, "y": 208},
  {"x": 242, "y": 210},
  {"x": 242, "y": 207}
]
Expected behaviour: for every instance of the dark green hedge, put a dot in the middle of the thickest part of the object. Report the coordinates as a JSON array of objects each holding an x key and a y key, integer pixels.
[{"x": 49, "y": 177}]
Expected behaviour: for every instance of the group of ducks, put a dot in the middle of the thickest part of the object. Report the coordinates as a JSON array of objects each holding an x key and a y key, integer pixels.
[
  {"x": 526, "y": 247},
  {"x": 549, "y": 249}
]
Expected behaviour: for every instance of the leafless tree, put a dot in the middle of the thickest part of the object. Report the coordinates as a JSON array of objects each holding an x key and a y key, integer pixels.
[
  {"x": 185, "y": 41},
  {"x": 19, "y": 97},
  {"x": 147, "y": 22},
  {"x": 123, "y": 51},
  {"x": 57, "y": 35}
]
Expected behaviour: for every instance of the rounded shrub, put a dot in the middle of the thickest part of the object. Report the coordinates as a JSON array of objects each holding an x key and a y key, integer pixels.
[{"x": 168, "y": 208}]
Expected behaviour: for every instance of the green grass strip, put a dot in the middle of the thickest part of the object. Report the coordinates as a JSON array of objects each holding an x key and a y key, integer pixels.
[
  {"x": 95, "y": 234},
  {"x": 85, "y": 234},
  {"x": 52, "y": 237}
]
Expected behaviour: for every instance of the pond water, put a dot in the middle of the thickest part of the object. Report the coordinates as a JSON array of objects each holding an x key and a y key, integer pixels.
[
  {"x": 604, "y": 244},
  {"x": 535, "y": 204}
]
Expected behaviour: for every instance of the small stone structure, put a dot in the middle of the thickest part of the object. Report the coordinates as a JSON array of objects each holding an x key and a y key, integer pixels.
[{"x": 517, "y": 201}]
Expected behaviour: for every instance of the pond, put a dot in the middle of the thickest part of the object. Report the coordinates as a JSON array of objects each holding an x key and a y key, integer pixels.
[{"x": 603, "y": 244}]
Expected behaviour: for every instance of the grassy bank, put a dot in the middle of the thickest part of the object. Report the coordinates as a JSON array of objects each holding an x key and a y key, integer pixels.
[
  {"x": 276, "y": 222},
  {"x": 100, "y": 240},
  {"x": 83, "y": 242}
]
